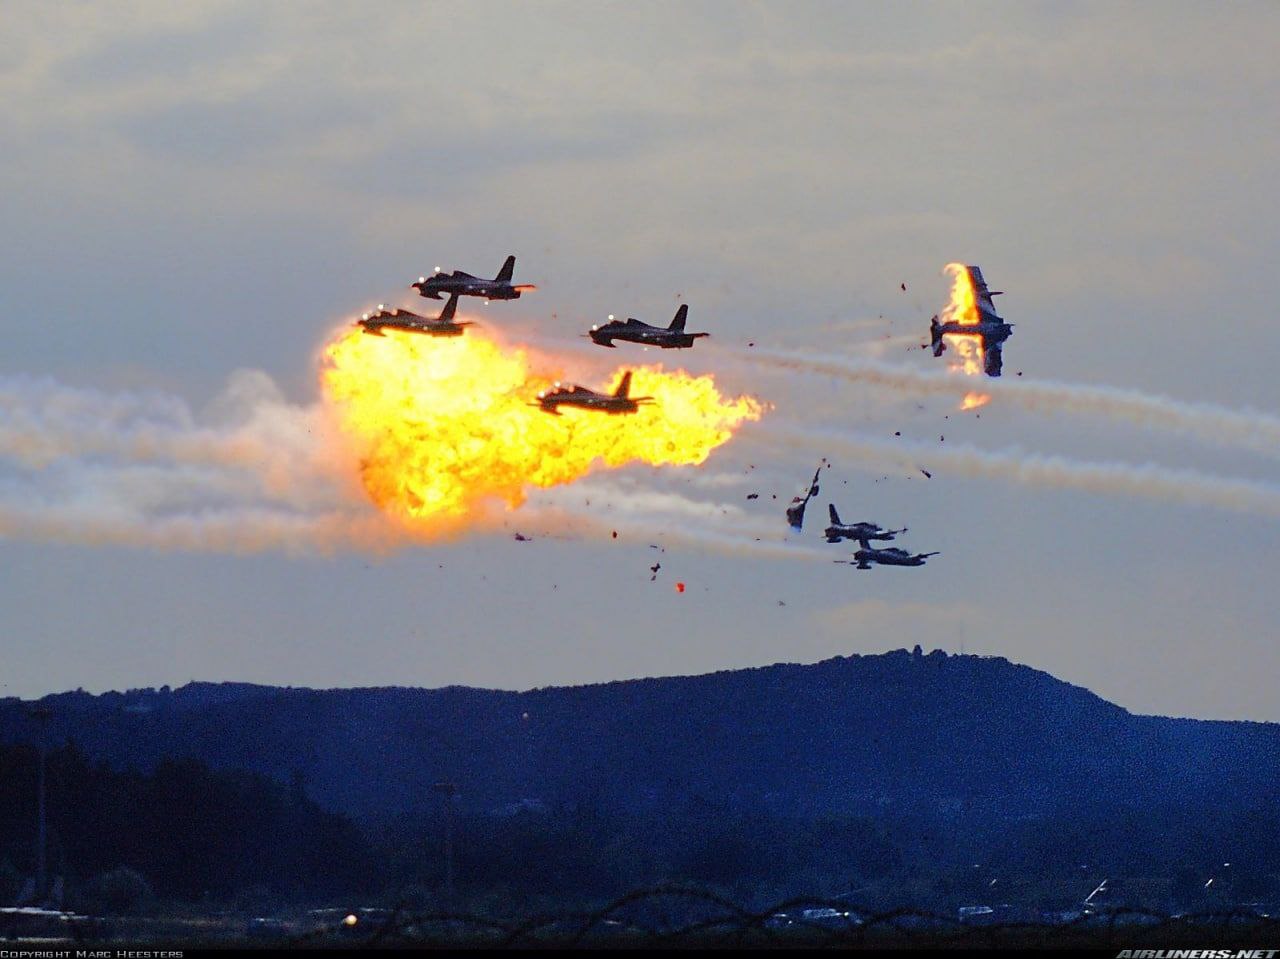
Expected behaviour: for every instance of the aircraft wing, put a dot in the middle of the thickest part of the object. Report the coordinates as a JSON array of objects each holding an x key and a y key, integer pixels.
[
  {"x": 992, "y": 360},
  {"x": 986, "y": 309}
]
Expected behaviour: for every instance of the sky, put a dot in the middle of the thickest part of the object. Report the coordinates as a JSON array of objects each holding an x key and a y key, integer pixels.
[{"x": 195, "y": 196}]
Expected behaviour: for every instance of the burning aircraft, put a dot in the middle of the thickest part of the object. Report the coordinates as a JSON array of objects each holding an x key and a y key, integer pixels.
[
  {"x": 970, "y": 325},
  {"x": 619, "y": 401}
]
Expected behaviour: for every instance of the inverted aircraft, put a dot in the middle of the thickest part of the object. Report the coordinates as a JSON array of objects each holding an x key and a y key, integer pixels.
[
  {"x": 464, "y": 284},
  {"x": 619, "y": 401},
  {"x": 672, "y": 337},
  {"x": 859, "y": 531},
  {"x": 990, "y": 328},
  {"x": 409, "y": 322}
]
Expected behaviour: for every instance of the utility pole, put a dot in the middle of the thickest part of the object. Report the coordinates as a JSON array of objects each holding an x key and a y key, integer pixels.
[
  {"x": 449, "y": 791},
  {"x": 42, "y": 715}
]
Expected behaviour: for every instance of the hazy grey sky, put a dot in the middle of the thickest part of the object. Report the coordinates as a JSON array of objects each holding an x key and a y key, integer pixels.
[{"x": 188, "y": 190}]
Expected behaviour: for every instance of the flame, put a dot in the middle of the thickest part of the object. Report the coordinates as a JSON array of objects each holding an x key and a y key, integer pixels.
[
  {"x": 967, "y": 350},
  {"x": 445, "y": 426}
]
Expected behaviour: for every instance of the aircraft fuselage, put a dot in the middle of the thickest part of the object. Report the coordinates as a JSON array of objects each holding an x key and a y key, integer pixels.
[
  {"x": 552, "y": 402},
  {"x": 434, "y": 287},
  {"x": 376, "y": 328},
  {"x": 995, "y": 332},
  {"x": 863, "y": 558},
  {"x": 868, "y": 531},
  {"x": 645, "y": 335}
]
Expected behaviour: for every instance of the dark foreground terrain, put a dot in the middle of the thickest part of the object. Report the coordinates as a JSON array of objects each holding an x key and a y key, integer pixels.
[{"x": 901, "y": 781}]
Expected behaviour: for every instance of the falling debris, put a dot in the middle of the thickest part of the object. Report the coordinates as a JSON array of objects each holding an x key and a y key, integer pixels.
[
  {"x": 795, "y": 512},
  {"x": 904, "y": 287},
  {"x": 615, "y": 534},
  {"x": 657, "y": 547},
  {"x": 897, "y": 432},
  {"x": 781, "y": 603},
  {"x": 927, "y": 474},
  {"x": 679, "y": 587},
  {"x": 753, "y": 496},
  {"x": 654, "y": 570},
  {"x": 521, "y": 538}
]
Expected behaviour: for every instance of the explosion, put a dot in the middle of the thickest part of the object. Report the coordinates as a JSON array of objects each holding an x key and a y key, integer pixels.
[
  {"x": 963, "y": 309},
  {"x": 444, "y": 426}
]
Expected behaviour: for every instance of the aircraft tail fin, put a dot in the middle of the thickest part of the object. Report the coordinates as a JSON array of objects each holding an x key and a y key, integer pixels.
[
  {"x": 507, "y": 271},
  {"x": 446, "y": 315},
  {"x": 835, "y": 517},
  {"x": 682, "y": 314},
  {"x": 624, "y": 387},
  {"x": 935, "y": 337}
]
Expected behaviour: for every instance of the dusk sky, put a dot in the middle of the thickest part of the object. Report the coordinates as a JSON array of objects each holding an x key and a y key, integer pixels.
[{"x": 193, "y": 191}]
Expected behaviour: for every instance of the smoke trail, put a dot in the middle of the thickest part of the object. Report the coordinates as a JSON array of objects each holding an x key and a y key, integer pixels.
[
  {"x": 1245, "y": 429},
  {"x": 667, "y": 518},
  {"x": 1147, "y": 481},
  {"x": 255, "y": 472}
]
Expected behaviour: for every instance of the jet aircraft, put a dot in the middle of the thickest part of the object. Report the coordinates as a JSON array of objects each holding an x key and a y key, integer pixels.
[
  {"x": 859, "y": 531},
  {"x": 866, "y": 556},
  {"x": 672, "y": 337},
  {"x": 464, "y": 284},
  {"x": 398, "y": 319},
  {"x": 620, "y": 401},
  {"x": 991, "y": 328}
]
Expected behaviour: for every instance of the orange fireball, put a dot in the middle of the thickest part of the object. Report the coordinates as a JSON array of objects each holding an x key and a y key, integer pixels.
[
  {"x": 442, "y": 427},
  {"x": 963, "y": 309}
]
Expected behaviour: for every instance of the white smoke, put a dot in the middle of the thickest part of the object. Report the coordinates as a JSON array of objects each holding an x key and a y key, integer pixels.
[
  {"x": 1148, "y": 480},
  {"x": 252, "y": 472},
  {"x": 1244, "y": 429}
]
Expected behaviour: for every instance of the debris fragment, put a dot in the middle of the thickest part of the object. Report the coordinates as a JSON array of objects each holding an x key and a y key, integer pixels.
[
  {"x": 927, "y": 474},
  {"x": 753, "y": 496},
  {"x": 654, "y": 570},
  {"x": 679, "y": 587},
  {"x": 521, "y": 538},
  {"x": 795, "y": 512}
]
